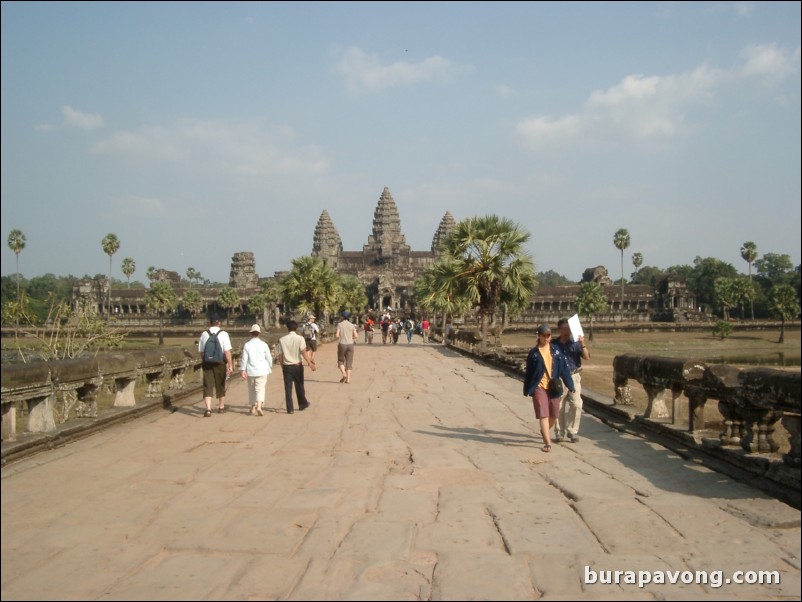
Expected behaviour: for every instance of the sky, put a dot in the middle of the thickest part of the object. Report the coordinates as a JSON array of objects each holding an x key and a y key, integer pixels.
[{"x": 196, "y": 130}]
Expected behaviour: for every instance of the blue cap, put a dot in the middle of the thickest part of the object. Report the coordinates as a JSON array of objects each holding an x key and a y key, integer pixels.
[{"x": 346, "y": 314}]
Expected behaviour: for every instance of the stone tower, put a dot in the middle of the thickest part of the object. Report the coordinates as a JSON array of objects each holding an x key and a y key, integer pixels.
[
  {"x": 386, "y": 240},
  {"x": 243, "y": 271},
  {"x": 326, "y": 243},
  {"x": 446, "y": 227}
]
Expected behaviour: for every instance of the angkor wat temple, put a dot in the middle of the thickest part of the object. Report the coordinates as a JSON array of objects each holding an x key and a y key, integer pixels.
[{"x": 387, "y": 267}]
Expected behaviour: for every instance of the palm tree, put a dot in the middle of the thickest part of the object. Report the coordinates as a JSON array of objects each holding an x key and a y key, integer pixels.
[
  {"x": 161, "y": 299},
  {"x": 192, "y": 302},
  {"x": 128, "y": 268},
  {"x": 437, "y": 290},
  {"x": 749, "y": 254},
  {"x": 16, "y": 242},
  {"x": 192, "y": 274},
  {"x": 110, "y": 244},
  {"x": 492, "y": 264},
  {"x": 228, "y": 299},
  {"x": 621, "y": 241},
  {"x": 352, "y": 295},
  {"x": 311, "y": 286},
  {"x": 726, "y": 294},
  {"x": 150, "y": 273},
  {"x": 784, "y": 305},
  {"x": 590, "y": 301},
  {"x": 637, "y": 261}
]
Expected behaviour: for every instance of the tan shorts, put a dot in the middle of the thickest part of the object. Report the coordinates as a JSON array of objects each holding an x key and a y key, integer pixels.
[{"x": 345, "y": 355}]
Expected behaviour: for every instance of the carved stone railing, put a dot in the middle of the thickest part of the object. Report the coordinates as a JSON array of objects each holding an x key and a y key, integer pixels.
[
  {"x": 51, "y": 390},
  {"x": 751, "y": 401}
]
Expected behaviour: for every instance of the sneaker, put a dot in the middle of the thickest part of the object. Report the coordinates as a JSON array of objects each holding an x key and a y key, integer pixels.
[{"x": 573, "y": 438}]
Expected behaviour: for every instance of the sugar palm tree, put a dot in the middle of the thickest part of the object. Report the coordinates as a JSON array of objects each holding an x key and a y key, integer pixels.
[
  {"x": 110, "y": 244},
  {"x": 228, "y": 299},
  {"x": 492, "y": 265},
  {"x": 637, "y": 261},
  {"x": 192, "y": 274},
  {"x": 128, "y": 267},
  {"x": 311, "y": 286},
  {"x": 16, "y": 242},
  {"x": 784, "y": 305},
  {"x": 161, "y": 299},
  {"x": 352, "y": 295},
  {"x": 192, "y": 302},
  {"x": 590, "y": 301},
  {"x": 437, "y": 290},
  {"x": 621, "y": 241},
  {"x": 749, "y": 254}
]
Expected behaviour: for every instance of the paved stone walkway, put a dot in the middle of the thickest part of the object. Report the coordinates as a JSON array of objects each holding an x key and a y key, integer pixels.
[{"x": 423, "y": 479}]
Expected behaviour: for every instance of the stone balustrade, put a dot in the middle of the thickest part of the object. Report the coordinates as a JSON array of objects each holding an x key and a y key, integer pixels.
[
  {"x": 51, "y": 390},
  {"x": 751, "y": 401}
]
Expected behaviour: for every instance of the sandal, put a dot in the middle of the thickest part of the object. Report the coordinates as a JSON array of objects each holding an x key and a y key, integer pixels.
[
  {"x": 220, "y": 410},
  {"x": 342, "y": 380},
  {"x": 546, "y": 448},
  {"x": 207, "y": 414}
]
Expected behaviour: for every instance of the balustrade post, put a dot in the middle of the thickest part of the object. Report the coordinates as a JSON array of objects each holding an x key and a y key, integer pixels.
[
  {"x": 696, "y": 409},
  {"x": 124, "y": 396},
  {"x": 758, "y": 429},
  {"x": 41, "y": 416},
  {"x": 623, "y": 394},
  {"x": 177, "y": 378},
  {"x": 87, "y": 402},
  {"x": 9, "y": 428},
  {"x": 732, "y": 433},
  {"x": 154, "y": 383},
  {"x": 656, "y": 406},
  {"x": 793, "y": 425}
]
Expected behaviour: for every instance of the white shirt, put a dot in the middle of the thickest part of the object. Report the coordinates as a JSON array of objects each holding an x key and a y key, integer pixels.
[
  {"x": 315, "y": 330},
  {"x": 256, "y": 358},
  {"x": 225, "y": 341}
]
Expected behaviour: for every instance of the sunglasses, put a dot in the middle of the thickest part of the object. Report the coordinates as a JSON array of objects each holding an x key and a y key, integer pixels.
[{"x": 547, "y": 335}]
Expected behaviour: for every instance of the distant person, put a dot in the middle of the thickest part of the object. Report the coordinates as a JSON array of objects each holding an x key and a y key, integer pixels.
[
  {"x": 311, "y": 332},
  {"x": 368, "y": 330},
  {"x": 291, "y": 348},
  {"x": 385, "y": 325},
  {"x": 346, "y": 337},
  {"x": 571, "y": 402},
  {"x": 393, "y": 331},
  {"x": 214, "y": 346},
  {"x": 256, "y": 365},
  {"x": 448, "y": 332},
  {"x": 545, "y": 363},
  {"x": 409, "y": 327},
  {"x": 424, "y": 330}
]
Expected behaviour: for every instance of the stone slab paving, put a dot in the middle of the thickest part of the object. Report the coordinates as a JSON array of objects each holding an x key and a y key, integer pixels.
[{"x": 422, "y": 479}]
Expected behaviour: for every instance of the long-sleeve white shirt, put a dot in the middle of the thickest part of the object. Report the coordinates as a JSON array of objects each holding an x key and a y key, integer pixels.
[{"x": 256, "y": 358}]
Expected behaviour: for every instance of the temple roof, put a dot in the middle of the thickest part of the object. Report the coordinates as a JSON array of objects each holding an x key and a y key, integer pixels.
[
  {"x": 386, "y": 221},
  {"x": 326, "y": 236},
  {"x": 447, "y": 225}
]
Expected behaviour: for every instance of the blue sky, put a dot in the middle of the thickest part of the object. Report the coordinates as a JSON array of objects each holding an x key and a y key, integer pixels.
[{"x": 176, "y": 124}]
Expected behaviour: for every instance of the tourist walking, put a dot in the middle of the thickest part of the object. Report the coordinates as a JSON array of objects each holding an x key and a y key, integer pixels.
[
  {"x": 368, "y": 330},
  {"x": 291, "y": 348},
  {"x": 256, "y": 365},
  {"x": 545, "y": 368},
  {"x": 571, "y": 402},
  {"x": 311, "y": 333},
  {"x": 385, "y": 325},
  {"x": 214, "y": 347},
  {"x": 409, "y": 327},
  {"x": 346, "y": 338},
  {"x": 424, "y": 330}
]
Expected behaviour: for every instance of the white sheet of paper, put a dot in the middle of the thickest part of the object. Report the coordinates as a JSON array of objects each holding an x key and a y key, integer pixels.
[{"x": 576, "y": 327}]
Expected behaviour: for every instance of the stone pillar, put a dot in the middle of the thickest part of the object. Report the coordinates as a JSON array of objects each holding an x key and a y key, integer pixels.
[
  {"x": 9, "y": 428},
  {"x": 41, "y": 418},
  {"x": 124, "y": 396},
  {"x": 732, "y": 433},
  {"x": 177, "y": 378},
  {"x": 696, "y": 409},
  {"x": 656, "y": 406},
  {"x": 154, "y": 384},
  {"x": 87, "y": 402},
  {"x": 759, "y": 431},
  {"x": 793, "y": 424}
]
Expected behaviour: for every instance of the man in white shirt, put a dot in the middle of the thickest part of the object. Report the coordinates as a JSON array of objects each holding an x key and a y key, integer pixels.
[
  {"x": 215, "y": 373},
  {"x": 291, "y": 347},
  {"x": 256, "y": 365},
  {"x": 314, "y": 332}
]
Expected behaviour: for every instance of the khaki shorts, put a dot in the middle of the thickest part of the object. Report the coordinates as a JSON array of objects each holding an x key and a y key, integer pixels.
[
  {"x": 345, "y": 355},
  {"x": 214, "y": 378}
]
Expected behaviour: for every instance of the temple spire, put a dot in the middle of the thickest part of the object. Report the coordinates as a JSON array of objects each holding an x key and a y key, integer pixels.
[
  {"x": 446, "y": 227},
  {"x": 327, "y": 243}
]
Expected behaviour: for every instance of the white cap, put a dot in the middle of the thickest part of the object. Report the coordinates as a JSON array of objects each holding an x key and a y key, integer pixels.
[{"x": 255, "y": 328}]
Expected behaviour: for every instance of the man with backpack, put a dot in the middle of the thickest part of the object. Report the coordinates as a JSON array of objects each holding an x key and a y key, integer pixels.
[{"x": 215, "y": 350}]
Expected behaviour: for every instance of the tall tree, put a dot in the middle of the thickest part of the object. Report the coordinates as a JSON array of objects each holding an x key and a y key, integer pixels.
[
  {"x": 351, "y": 295},
  {"x": 192, "y": 274},
  {"x": 110, "y": 244},
  {"x": 749, "y": 254},
  {"x": 16, "y": 242},
  {"x": 128, "y": 267},
  {"x": 228, "y": 299},
  {"x": 150, "y": 273},
  {"x": 784, "y": 305},
  {"x": 161, "y": 299},
  {"x": 637, "y": 261},
  {"x": 192, "y": 302},
  {"x": 311, "y": 286},
  {"x": 621, "y": 241},
  {"x": 492, "y": 265},
  {"x": 590, "y": 301},
  {"x": 438, "y": 290},
  {"x": 726, "y": 295}
]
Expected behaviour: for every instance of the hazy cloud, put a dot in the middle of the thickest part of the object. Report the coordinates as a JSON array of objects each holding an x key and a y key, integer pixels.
[
  {"x": 641, "y": 108},
  {"x": 365, "y": 72},
  {"x": 250, "y": 148},
  {"x": 745, "y": 8},
  {"x": 81, "y": 120},
  {"x": 503, "y": 90},
  {"x": 45, "y": 127}
]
